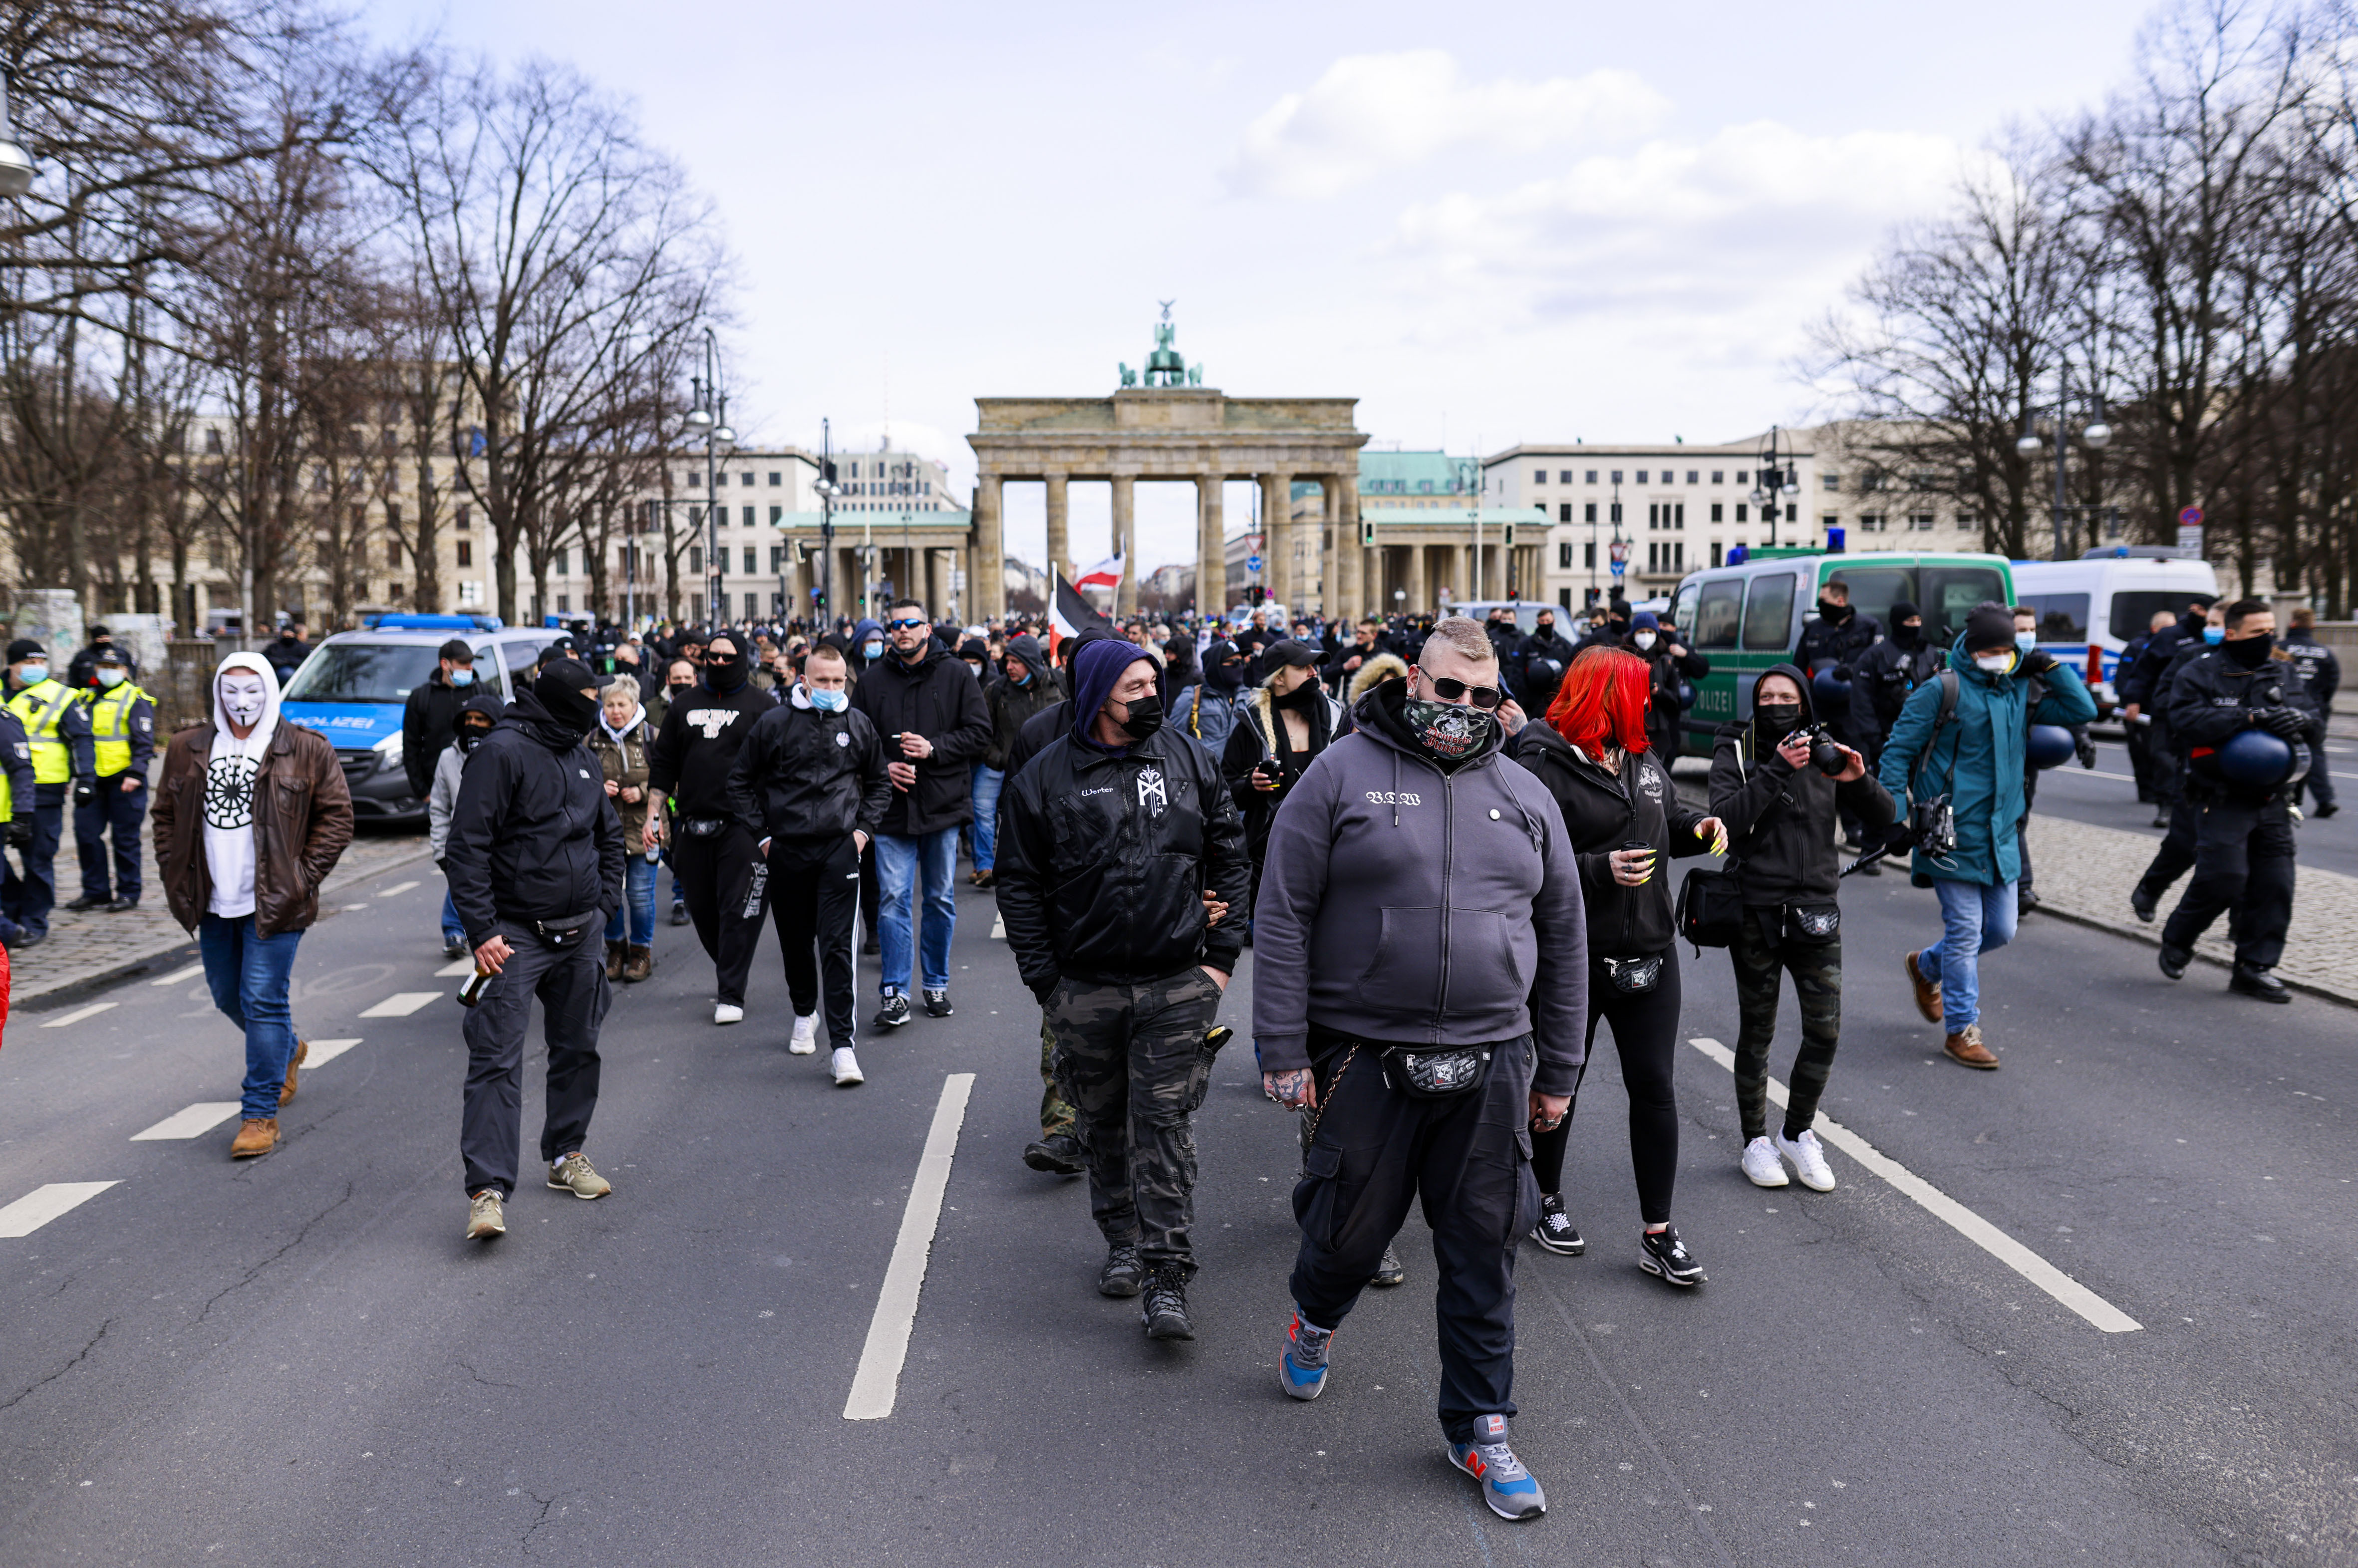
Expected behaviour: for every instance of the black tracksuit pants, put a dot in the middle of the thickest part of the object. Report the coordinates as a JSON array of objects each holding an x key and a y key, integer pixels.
[
  {"x": 2242, "y": 862},
  {"x": 1645, "y": 1032},
  {"x": 1378, "y": 1149},
  {"x": 570, "y": 982},
  {"x": 815, "y": 905},
  {"x": 725, "y": 882}
]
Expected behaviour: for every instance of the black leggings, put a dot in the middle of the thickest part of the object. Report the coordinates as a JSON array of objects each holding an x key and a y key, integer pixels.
[{"x": 1645, "y": 1030}]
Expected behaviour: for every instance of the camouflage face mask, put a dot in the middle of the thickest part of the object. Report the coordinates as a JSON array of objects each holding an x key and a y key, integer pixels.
[{"x": 1447, "y": 731}]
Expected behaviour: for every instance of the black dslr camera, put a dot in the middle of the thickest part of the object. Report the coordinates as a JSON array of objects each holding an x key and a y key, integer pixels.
[{"x": 1825, "y": 755}]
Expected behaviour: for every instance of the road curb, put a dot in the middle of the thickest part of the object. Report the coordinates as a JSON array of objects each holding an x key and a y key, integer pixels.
[{"x": 2151, "y": 937}]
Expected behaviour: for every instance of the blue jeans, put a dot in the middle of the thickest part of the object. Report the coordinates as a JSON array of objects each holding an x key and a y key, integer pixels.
[
  {"x": 248, "y": 975},
  {"x": 453, "y": 929},
  {"x": 987, "y": 780},
  {"x": 899, "y": 863},
  {"x": 638, "y": 911},
  {"x": 1974, "y": 920}
]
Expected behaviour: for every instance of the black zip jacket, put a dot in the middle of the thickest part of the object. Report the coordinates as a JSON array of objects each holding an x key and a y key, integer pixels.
[
  {"x": 1012, "y": 706},
  {"x": 1664, "y": 732},
  {"x": 1548, "y": 644},
  {"x": 533, "y": 837},
  {"x": 2143, "y": 684},
  {"x": 941, "y": 700},
  {"x": 806, "y": 778},
  {"x": 1880, "y": 683},
  {"x": 1822, "y": 640},
  {"x": 426, "y": 723},
  {"x": 2320, "y": 667},
  {"x": 1601, "y": 813},
  {"x": 698, "y": 745},
  {"x": 1780, "y": 819},
  {"x": 1103, "y": 860},
  {"x": 1038, "y": 733},
  {"x": 2212, "y": 699}
]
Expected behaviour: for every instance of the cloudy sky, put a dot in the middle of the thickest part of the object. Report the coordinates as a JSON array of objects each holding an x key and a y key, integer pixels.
[{"x": 1490, "y": 223}]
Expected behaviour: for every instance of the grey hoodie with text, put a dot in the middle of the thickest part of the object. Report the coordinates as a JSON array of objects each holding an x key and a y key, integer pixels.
[{"x": 1403, "y": 904}]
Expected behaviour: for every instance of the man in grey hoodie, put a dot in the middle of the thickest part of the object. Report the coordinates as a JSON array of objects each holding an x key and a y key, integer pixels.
[{"x": 1421, "y": 983}]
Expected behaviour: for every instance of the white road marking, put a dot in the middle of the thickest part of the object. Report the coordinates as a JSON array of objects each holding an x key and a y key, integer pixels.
[
  {"x": 397, "y": 887},
  {"x": 401, "y": 1004},
  {"x": 181, "y": 977},
  {"x": 454, "y": 968},
  {"x": 878, "y": 1381},
  {"x": 2100, "y": 1313},
  {"x": 195, "y": 1121},
  {"x": 999, "y": 927},
  {"x": 44, "y": 1204},
  {"x": 78, "y": 1014},
  {"x": 326, "y": 1051}
]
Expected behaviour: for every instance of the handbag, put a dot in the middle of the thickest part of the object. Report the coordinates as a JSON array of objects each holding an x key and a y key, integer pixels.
[{"x": 1711, "y": 904}]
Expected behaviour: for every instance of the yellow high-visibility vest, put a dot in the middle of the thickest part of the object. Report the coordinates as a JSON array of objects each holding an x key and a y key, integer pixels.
[
  {"x": 110, "y": 725},
  {"x": 40, "y": 706}
]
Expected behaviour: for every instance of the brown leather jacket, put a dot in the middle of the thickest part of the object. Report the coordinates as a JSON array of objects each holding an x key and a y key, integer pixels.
[{"x": 302, "y": 820}]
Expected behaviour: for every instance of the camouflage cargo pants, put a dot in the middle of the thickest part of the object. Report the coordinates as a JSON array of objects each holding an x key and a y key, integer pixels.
[
  {"x": 1129, "y": 1058},
  {"x": 1055, "y": 1110},
  {"x": 1761, "y": 953}
]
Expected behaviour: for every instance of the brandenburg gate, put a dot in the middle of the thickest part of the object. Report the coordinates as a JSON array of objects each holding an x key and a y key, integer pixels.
[{"x": 1172, "y": 429}]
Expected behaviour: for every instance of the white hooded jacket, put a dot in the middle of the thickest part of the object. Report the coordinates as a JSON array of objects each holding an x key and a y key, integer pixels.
[{"x": 230, "y": 774}]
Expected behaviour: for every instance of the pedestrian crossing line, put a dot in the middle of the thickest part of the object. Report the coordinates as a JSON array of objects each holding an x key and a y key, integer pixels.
[
  {"x": 999, "y": 927},
  {"x": 326, "y": 1051},
  {"x": 2099, "y": 1312},
  {"x": 397, "y": 887},
  {"x": 401, "y": 1004},
  {"x": 181, "y": 977},
  {"x": 78, "y": 1014},
  {"x": 454, "y": 968},
  {"x": 877, "y": 1382},
  {"x": 194, "y": 1122},
  {"x": 44, "y": 1204}
]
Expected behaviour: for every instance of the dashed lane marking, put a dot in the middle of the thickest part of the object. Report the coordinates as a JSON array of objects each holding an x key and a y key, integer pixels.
[
  {"x": 999, "y": 927},
  {"x": 193, "y": 1122},
  {"x": 397, "y": 887},
  {"x": 878, "y": 1381},
  {"x": 2099, "y": 1311},
  {"x": 401, "y": 1004},
  {"x": 326, "y": 1051},
  {"x": 78, "y": 1014},
  {"x": 454, "y": 968},
  {"x": 44, "y": 1204},
  {"x": 181, "y": 977}
]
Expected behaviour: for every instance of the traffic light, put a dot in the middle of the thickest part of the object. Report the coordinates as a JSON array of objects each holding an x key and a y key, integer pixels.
[{"x": 1255, "y": 594}]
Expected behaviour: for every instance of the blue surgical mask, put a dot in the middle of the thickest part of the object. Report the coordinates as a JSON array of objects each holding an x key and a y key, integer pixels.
[
  {"x": 829, "y": 701},
  {"x": 110, "y": 676},
  {"x": 2214, "y": 635},
  {"x": 30, "y": 674},
  {"x": 463, "y": 678},
  {"x": 872, "y": 650},
  {"x": 2025, "y": 640}
]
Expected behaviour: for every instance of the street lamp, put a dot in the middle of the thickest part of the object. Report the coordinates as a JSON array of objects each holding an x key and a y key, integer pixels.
[
  {"x": 2095, "y": 436},
  {"x": 1771, "y": 480},
  {"x": 15, "y": 163},
  {"x": 709, "y": 419},
  {"x": 827, "y": 491}
]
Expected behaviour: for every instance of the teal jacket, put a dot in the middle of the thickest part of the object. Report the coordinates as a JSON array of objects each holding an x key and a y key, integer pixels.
[{"x": 1978, "y": 761}]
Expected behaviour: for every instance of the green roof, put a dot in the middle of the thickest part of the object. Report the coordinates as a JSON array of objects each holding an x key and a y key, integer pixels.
[{"x": 1408, "y": 473}]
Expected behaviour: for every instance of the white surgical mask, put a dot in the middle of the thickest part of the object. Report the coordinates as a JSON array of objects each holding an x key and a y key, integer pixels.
[
  {"x": 1996, "y": 663},
  {"x": 2025, "y": 640},
  {"x": 243, "y": 697},
  {"x": 1644, "y": 639},
  {"x": 110, "y": 676}
]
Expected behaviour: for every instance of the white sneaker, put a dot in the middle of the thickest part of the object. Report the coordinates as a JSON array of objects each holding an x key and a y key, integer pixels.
[
  {"x": 806, "y": 1040},
  {"x": 847, "y": 1068},
  {"x": 1761, "y": 1164},
  {"x": 1809, "y": 1159},
  {"x": 728, "y": 1012}
]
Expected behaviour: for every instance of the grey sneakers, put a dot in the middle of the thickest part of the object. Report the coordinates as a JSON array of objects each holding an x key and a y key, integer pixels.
[{"x": 573, "y": 1174}]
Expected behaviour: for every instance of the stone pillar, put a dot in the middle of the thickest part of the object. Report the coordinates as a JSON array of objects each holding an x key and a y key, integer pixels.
[
  {"x": 1125, "y": 543},
  {"x": 987, "y": 588},
  {"x": 1334, "y": 546},
  {"x": 1211, "y": 553},
  {"x": 1059, "y": 546},
  {"x": 1352, "y": 595},
  {"x": 1277, "y": 537},
  {"x": 1420, "y": 592}
]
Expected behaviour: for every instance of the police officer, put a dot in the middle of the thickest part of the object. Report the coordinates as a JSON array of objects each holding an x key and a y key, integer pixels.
[
  {"x": 2321, "y": 674},
  {"x": 122, "y": 737},
  {"x": 1881, "y": 678},
  {"x": 2157, "y": 676},
  {"x": 2139, "y": 736},
  {"x": 2244, "y": 842},
  {"x": 2144, "y": 693},
  {"x": 16, "y": 797},
  {"x": 57, "y": 727},
  {"x": 1837, "y": 640}
]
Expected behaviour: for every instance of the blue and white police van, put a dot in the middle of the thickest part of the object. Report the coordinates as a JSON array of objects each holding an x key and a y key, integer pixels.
[{"x": 2089, "y": 610}]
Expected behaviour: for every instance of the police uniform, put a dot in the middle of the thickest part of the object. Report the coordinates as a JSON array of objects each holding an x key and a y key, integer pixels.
[
  {"x": 123, "y": 742},
  {"x": 16, "y": 788},
  {"x": 57, "y": 727},
  {"x": 2321, "y": 675}
]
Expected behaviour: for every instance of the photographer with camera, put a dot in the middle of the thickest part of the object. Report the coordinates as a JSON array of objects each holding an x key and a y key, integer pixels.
[
  {"x": 1778, "y": 783},
  {"x": 1959, "y": 751},
  {"x": 1286, "y": 722}
]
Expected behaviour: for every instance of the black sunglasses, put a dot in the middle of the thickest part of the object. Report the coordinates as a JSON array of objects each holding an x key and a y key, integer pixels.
[
  {"x": 1450, "y": 690},
  {"x": 903, "y": 625}
]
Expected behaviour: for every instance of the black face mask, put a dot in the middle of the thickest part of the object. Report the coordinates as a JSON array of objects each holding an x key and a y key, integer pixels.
[
  {"x": 564, "y": 702},
  {"x": 471, "y": 737},
  {"x": 2250, "y": 653},
  {"x": 679, "y": 686},
  {"x": 1778, "y": 719},
  {"x": 1145, "y": 716},
  {"x": 1302, "y": 698},
  {"x": 1908, "y": 636},
  {"x": 1226, "y": 677},
  {"x": 1832, "y": 613}
]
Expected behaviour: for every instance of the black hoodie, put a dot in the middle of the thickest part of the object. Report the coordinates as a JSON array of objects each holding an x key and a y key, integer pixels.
[
  {"x": 698, "y": 745},
  {"x": 534, "y": 836},
  {"x": 1780, "y": 819},
  {"x": 1602, "y": 812}
]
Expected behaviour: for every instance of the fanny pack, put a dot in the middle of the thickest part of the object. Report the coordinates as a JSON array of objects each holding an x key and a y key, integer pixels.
[
  {"x": 1439, "y": 1072},
  {"x": 1813, "y": 922},
  {"x": 1633, "y": 976},
  {"x": 700, "y": 826},
  {"x": 565, "y": 932}
]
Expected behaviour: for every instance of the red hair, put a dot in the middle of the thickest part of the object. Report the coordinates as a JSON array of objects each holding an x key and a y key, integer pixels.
[{"x": 1602, "y": 702}]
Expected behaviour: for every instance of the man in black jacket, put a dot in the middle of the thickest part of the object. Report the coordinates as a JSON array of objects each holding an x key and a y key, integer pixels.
[
  {"x": 2143, "y": 691},
  {"x": 1551, "y": 650},
  {"x": 809, "y": 787},
  {"x": 287, "y": 654},
  {"x": 432, "y": 709},
  {"x": 930, "y": 713},
  {"x": 2320, "y": 677},
  {"x": 1837, "y": 640},
  {"x": 535, "y": 859},
  {"x": 1881, "y": 678},
  {"x": 722, "y": 878},
  {"x": 1028, "y": 686},
  {"x": 1120, "y": 854},
  {"x": 1044, "y": 727},
  {"x": 1670, "y": 664}
]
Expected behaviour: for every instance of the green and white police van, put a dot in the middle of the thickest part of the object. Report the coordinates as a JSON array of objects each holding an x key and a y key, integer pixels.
[{"x": 1747, "y": 617}]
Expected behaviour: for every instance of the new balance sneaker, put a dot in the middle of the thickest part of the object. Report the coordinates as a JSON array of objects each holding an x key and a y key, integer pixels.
[
  {"x": 575, "y": 1175},
  {"x": 1506, "y": 1487},
  {"x": 894, "y": 1013},
  {"x": 1124, "y": 1274},
  {"x": 1809, "y": 1159},
  {"x": 937, "y": 1004},
  {"x": 806, "y": 1040},
  {"x": 1165, "y": 1309},
  {"x": 728, "y": 1012},
  {"x": 1761, "y": 1166},
  {"x": 485, "y": 1220},
  {"x": 1555, "y": 1232},
  {"x": 846, "y": 1068},
  {"x": 1662, "y": 1254},
  {"x": 1301, "y": 1364},
  {"x": 1389, "y": 1269}
]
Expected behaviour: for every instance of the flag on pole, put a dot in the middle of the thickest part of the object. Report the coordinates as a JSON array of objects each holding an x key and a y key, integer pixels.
[
  {"x": 1070, "y": 614},
  {"x": 1105, "y": 574}
]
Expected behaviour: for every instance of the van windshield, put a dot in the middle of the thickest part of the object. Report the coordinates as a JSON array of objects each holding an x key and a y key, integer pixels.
[
  {"x": 1949, "y": 594},
  {"x": 2133, "y": 612},
  {"x": 362, "y": 671}
]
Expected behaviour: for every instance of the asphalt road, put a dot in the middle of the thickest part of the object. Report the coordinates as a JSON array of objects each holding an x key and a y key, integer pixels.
[
  {"x": 298, "y": 1361},
  {"x": 2106, "y": 795}
]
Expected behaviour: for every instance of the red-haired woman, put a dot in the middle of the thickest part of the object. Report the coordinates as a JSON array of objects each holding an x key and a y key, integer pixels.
[{"x": 1622, "y": 815}]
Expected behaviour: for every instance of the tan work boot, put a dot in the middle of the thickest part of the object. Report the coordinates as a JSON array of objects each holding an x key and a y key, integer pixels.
[
  {"x": 1928, "y": 992},
  {"x": 613, "y": 961},
  {"x": 484, "y": 1218},
  {"x": 574, "y": 1175},
  {"x": 256, "y": 1135},
  {"x": 287, "y": 1089},
  {"x": 639, "y": 963},
  {"x": 1967, "y": 1048}
]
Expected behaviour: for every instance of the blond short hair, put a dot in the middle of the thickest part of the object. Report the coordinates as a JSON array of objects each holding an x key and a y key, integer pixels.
[
  {"x": 1465, "y": 634},
  {"x": 627, "y": 685}
]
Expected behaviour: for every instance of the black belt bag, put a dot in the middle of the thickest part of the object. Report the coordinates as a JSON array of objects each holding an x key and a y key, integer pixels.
[
  {"x": 1813, "y": 923},
  {"x": 566, "y": 932},
  {"x": 1633, "y": 976},
  {"x": 700, "y": 826},
  {"x": 1443, "y": 1072}
]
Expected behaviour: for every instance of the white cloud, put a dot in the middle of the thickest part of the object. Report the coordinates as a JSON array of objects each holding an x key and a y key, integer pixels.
[{"x": 1369, "y": 114}]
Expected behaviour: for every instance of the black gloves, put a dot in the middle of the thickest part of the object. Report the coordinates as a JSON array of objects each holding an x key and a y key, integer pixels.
[
  {"x": 1899, "y": 837},
  {"x": 85, "y": 792},
  {"x": 2038, "y": 661},
  {"x": 2289, "y": 722},
  {"x": 19, "y": 834}
]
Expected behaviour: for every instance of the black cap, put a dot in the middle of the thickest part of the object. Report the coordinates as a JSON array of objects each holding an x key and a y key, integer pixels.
[
  {"x": 1300, "y": 655},
  {"x": 110, "y": 655},
  {"x": 1989, "y": 625},
  {"x": 24, "y": 648}
]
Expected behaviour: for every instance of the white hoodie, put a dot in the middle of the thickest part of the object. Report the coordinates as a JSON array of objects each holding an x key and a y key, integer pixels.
[{"x": 230, "y": 776}]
